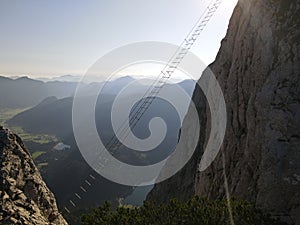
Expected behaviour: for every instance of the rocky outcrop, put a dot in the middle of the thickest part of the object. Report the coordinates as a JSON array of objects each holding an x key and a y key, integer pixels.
[
  {"x": 24, "y": 196},
  {"x": 258, "y": 68}
]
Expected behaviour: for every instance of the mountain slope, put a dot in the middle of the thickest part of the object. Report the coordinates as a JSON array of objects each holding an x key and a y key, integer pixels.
[
  {"x": 25, "y": 198},
  {"x": 24, "y": 92},
  {"x": 258, "y": 68},
  {"x": 65, "y": 171}
]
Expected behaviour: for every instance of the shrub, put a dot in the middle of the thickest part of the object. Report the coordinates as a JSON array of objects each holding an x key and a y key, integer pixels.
[{"x": 196, "y": 211}]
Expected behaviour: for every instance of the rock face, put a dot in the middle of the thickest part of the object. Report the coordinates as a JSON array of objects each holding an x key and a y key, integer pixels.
[
  {"x": 24, "y": 196},
  {"x": 258, "y": 69}
]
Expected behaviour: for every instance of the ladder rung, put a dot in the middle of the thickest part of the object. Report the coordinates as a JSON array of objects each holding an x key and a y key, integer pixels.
[
  {"x": 171, "y": 67},
  {"x": 179, "y": 58}
]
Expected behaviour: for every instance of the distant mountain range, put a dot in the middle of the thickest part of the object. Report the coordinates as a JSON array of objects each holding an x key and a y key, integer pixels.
[
  {"x": 54, "y": 116},
  {"x": 67, "y": 169},
  {"x": 24, "y": 92},
  {"x": 63, "y": 78}
]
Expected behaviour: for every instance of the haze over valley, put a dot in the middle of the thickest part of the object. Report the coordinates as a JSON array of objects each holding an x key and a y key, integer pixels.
[{"x": 150, "y": 112}]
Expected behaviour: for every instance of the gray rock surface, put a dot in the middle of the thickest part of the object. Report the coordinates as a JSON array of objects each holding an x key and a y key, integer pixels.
[
  {"x": 24, "y": 196},
  {"x": 258, "y": 68}
]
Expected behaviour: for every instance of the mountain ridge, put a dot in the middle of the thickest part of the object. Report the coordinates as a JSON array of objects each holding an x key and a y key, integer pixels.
[{"x": 25, "y": 198}]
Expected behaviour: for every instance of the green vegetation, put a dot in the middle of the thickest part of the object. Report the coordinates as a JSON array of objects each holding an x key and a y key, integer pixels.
[
  {"x": 37, "y": 138},
  {"x": 197, "y": 211},
  {"x": 6, "y": 114},
  {"x": 40, "y": 165},
  {"x": 37, "y": 154}
]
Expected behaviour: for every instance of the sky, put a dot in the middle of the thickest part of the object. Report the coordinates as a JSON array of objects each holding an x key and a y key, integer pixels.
[{"x": 58, "y": 37}]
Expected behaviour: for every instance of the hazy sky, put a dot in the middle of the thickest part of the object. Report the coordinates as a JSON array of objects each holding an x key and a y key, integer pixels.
[{"x": 57, "y": 37}]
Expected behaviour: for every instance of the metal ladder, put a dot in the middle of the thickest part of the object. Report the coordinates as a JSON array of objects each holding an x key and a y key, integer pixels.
[{"x": 152, "y": 92}]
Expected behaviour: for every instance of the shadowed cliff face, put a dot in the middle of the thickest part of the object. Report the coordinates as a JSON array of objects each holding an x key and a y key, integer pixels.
[
  {"x": 258, "y": 68},
  {"x": 25, "y": 198}
]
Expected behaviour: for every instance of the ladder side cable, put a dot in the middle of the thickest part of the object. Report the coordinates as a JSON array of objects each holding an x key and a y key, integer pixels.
[{"x": 153, "y": 91}]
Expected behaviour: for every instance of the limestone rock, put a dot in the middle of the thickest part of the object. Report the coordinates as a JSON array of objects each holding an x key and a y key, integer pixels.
[
  {"x": 24, "y": 196},
  {"x": 258, "y": 68}
]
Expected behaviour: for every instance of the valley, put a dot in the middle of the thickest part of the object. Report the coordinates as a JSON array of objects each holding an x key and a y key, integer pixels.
[
  {"x": 48, "y": 124},
  {"x": 89, "y": 135}
]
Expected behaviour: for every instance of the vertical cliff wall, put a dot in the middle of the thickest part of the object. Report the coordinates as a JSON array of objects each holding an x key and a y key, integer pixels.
[
  {"x": 24, "y": 196},
  {"x": 258, "y": 68}
]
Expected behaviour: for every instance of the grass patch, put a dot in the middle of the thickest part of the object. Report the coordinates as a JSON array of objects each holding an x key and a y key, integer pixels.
[
  {"x": 37, "y": 154},
  {"x": 37, "y": 138},
  {"x": 40, "y": 165},
  {"x": 6, "y": 114}
]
